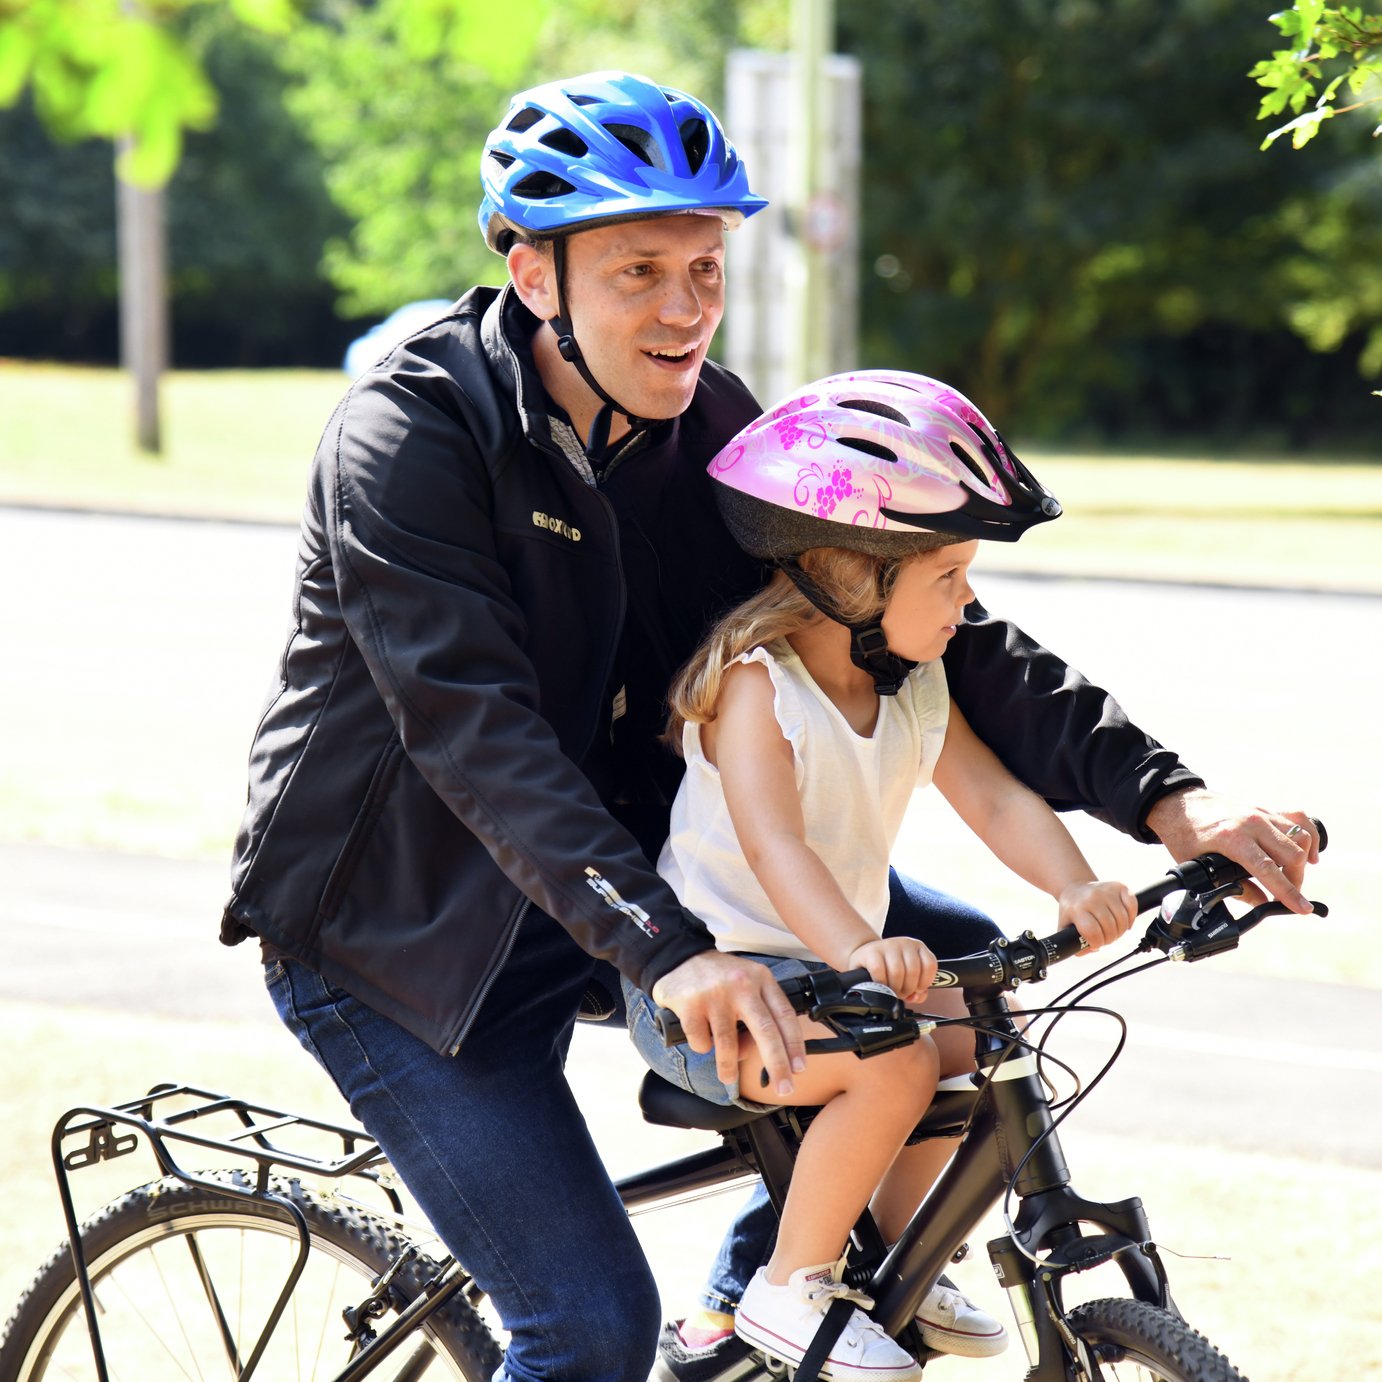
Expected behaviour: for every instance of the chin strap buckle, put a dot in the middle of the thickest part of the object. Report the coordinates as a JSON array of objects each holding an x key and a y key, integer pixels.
[{"x": 869, "y": 651}]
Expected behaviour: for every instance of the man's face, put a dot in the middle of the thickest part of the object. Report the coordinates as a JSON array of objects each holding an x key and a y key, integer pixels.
[{"x": 644, "y": 299}]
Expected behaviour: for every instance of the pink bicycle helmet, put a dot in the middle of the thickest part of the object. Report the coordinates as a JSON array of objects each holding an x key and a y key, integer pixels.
[{"x": 878, "y": 461}]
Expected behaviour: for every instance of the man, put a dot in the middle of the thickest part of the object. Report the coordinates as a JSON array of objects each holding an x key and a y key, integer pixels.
[{"x": 509, "y": 546}]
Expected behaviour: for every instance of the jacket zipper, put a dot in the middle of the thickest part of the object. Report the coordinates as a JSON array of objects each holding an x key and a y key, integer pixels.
[{"x": 477, "y": 1002}]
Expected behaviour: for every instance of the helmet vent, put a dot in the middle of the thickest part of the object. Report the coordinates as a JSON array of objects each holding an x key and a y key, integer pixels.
[
  {"x": 990, "y": 450},
  {"x": 638, "y": 142},
  {"x": 565, "y": 142},
  {"x": 869, "y": 448},
  {"x": 695, "y": 139},
  {"x": 524, "y": 120},
  {"x": 537, "y": 187},
  {"x": 969, "y": 462},
  {"x": 871, "y": 405},
  {"x": 502, "y": 159}
]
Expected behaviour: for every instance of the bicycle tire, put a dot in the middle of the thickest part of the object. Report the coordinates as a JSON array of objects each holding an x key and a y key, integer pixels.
[
  {"x": 151, "y": 1253},
  {"x": 1132, "y": 1339}
]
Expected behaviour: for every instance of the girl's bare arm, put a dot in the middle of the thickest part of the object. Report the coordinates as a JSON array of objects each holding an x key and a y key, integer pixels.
[
  {"x": 757, "y": 774},
  {"x": 1026, "y": 834}
]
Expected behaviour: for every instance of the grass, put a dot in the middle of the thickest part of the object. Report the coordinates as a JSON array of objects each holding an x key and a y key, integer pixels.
[
  {"x": 237, "y": 444},
  {"x": 1299, "y": 524}
]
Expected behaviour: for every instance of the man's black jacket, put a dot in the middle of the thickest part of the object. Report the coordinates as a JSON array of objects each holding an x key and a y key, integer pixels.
[{"x": 439, "y": 751}]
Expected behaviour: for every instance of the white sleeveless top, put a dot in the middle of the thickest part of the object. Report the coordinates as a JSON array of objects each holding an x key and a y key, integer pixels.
[{"x": 854, "y": 793}]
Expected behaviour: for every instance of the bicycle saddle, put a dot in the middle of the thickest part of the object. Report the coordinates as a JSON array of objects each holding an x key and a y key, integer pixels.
[{"x": 670, "y": 1106}]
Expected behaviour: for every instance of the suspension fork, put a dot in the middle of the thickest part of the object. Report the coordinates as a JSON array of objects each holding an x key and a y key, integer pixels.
[{"x": 1051, "y": 1214}]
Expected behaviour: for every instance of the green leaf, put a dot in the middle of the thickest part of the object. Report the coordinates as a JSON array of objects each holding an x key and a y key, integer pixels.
[
  {"x": 17, "y": 49},
  {"x": 1288, "y": 21},
  {"x": 1302, "y": 129},
  {"x": 1310, "y": 11},
  {"x": 501, "y": 38},
  {"x": 152, "y": 156}
]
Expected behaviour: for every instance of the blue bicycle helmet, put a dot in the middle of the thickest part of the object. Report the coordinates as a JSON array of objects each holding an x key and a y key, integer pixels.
[{"x": 606, "y": 146}]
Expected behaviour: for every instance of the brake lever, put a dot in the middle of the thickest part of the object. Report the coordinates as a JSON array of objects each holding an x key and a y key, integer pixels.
[
  {"x": 1218, "y": 930},
  {"x": 869, "y": 1018}
]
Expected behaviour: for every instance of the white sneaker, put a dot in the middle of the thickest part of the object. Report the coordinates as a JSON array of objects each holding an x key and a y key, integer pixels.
[
  {"x": 952, "y": 1323},
  {"x": 783, "y": 1320}
]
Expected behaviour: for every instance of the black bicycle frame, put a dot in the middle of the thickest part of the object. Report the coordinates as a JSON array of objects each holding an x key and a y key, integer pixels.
[{"x": 1008, "y": 1138}]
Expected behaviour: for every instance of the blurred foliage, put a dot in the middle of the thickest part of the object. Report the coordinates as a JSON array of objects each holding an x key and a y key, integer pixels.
[
  {"x": 117, "y": 70},
  {"x": 1066, "y": 208},
  {"x": 1069, "y": 214},
  {"x": 248, "y": 212},
  {"x": 1344, "y": 44},
  {"x": 400, "y": 126}
]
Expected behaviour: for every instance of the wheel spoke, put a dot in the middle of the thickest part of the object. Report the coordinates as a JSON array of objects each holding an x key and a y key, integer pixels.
[{"x": 195, "y": 1310}]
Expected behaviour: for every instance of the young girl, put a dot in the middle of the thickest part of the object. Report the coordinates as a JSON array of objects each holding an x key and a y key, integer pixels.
[{"x": 806, "y": 719}]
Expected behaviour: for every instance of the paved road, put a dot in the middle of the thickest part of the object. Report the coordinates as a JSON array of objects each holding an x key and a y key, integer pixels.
[
  {"x": 1229, "y": 1059},
  {"x": 146, "y": 645}
]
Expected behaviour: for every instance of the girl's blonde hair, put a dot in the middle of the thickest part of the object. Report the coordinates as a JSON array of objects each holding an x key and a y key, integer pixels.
[{"x": 856, "y": 583}]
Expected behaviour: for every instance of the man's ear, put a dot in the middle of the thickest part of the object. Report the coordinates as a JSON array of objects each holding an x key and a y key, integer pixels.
[{"x": 534, "y": 275}]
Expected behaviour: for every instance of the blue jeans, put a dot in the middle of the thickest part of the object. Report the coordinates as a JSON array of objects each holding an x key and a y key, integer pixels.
[
  {"x": 493, "y": 1148},
  {"x": 950, "y": 927}
]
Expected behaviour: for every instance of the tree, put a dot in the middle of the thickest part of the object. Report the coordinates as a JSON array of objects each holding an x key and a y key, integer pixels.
[
  {"x": 247, "y": 212},
  {"x": 1345, "y": 42},
  {"x": 123, "y": 69},
  {"x": 401, "y": 120},
  {"x": 1065, "y": 213}
]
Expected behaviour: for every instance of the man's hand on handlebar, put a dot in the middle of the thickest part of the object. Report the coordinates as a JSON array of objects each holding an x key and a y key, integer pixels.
[
  {"x": 712, "y": 993},
  {"x": 1100, "y": 912},
  {"x": 1274, "y": 846}
]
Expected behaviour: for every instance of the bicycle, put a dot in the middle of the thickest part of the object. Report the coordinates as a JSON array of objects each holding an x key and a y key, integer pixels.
[{"x": 247, "y": 1272}]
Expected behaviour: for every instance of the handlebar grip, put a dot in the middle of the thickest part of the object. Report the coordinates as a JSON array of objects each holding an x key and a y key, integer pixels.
[
  {"x": 850, "y": 978},
  {"x": 800, "y": 991},
  {"x": 669, "y": 1027},
  {"x": 1206, "y": 872}
]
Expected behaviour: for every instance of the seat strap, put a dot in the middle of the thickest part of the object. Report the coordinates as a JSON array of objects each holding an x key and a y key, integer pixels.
[{"x": 831, "y": 1327}]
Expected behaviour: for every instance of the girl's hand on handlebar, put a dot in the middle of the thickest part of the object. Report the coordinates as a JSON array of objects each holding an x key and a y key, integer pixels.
[
  {"x": 904, "y": 964},
  {"x": 1100, "y": 912}
]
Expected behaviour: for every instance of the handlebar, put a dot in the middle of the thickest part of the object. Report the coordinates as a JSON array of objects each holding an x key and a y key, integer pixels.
[{"x": 1200, "y": 926}]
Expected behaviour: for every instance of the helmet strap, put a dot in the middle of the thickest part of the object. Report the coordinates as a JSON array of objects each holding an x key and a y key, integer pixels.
[
  {"x": 868, "y": 644},
  {"x": 597, "y": 442}
]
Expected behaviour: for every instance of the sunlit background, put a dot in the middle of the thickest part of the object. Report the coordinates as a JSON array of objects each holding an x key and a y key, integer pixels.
[{"x": 1064, "y": 207}]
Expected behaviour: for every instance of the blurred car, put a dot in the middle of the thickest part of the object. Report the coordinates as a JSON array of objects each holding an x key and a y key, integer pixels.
[{"x": 376, "y": 343}]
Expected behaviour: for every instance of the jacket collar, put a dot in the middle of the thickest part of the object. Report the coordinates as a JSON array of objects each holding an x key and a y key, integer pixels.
[{"x": 506, "y": 330}]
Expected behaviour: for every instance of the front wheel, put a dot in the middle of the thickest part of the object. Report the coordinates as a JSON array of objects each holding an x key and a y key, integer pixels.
[
  {"x": 1133, "y": 1341},
  {"x": 185, "y": 1278}
]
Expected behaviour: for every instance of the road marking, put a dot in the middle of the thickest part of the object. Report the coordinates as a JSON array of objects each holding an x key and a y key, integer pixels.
[{"x": 1254, "y": 1048}]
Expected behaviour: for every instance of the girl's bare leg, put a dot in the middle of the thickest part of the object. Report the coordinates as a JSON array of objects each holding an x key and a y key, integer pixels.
[{"x": 868, "y": 1108}]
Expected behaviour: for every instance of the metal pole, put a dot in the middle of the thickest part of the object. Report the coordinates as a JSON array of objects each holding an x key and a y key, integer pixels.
[
  {"x": 813, "y": 37},
  {"x": 142, "y": 237}
]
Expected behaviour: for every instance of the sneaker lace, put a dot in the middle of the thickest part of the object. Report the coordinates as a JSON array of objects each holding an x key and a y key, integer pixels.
[
  {"x": 949, "y": 1299},
  {"x": 822, "y": 1293}
]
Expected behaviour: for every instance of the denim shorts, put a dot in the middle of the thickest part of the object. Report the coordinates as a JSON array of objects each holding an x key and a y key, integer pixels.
[{"x": 695, "y": 1070}]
